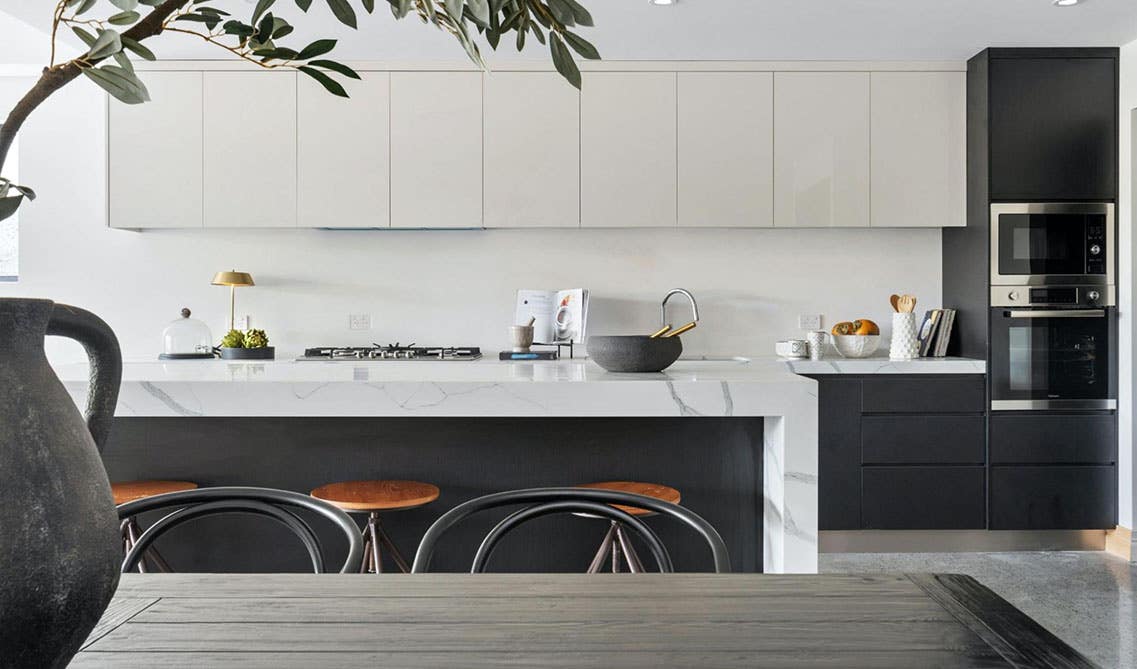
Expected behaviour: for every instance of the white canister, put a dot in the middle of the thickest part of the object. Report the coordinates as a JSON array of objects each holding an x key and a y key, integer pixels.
[
  {"x": 905, "y": 345},
  {"x": 817, "y": 339}
]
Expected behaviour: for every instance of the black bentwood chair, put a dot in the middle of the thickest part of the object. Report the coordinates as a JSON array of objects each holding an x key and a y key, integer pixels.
[
  {"x": 546, "y": 501},
  {"x": 275, "y": 504}
]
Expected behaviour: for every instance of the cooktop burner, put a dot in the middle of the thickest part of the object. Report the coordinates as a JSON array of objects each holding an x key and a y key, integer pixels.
[{"x": 394, "y": 351}]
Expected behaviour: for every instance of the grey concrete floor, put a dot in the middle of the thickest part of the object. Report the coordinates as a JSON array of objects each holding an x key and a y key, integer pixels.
[{"x": 1088, "y": 599}]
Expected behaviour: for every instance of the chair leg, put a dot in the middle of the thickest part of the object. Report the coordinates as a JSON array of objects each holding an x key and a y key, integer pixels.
[
  {"x": 385, "y": 539},
  {"x": 602, "y": 552},
  {"x": 633, "y": 559},
  {"x": 131, "y": 529}
]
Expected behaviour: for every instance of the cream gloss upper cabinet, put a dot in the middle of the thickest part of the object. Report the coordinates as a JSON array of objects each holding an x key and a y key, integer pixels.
[
  {"x": 250, "y": 149},
  {"x": 436, "y": 149},
  {"x": 821, "y": 149},
  {"x": 532, "y": 151},
  {"x": 919, "y": 149},
  {"x": 726, "y": 149},
  {"x": 628, "y": 149},
  {"x": 154, "y": 155},
  {"x": 343, "y": 155}
]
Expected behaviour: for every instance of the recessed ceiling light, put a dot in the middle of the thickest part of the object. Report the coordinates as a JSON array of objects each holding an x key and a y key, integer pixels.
[
  {"x": 672, "y": 2},
  {"x": 1066, "y": 3}
]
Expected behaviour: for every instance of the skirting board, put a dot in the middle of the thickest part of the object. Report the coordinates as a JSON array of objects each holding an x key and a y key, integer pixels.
[
  {"x": 1120, "y": 542},
  {"x": 959, "y": 541}
]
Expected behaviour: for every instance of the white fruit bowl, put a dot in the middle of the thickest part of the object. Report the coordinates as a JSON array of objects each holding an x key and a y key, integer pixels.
[{"x": 856, "y": 346}]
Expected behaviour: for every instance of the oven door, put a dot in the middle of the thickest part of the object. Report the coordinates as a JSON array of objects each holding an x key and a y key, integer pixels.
[
  {"x": 1053, "y": 359},
  {"x": 1052, "y": 243}
]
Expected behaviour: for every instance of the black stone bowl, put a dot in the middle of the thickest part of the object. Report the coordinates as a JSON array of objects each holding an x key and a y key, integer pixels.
[
  {"x": 633, "y": 353},
  {"x": 262, "y": 353}
]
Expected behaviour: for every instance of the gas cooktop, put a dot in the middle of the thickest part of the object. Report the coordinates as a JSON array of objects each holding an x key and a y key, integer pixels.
[{"x": 394, "y": 351}]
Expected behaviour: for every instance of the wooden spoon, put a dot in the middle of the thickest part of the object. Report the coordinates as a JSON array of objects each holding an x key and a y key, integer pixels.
[
  {"x": 907, "y": 303},
  {"x": 894, "y": 299}
]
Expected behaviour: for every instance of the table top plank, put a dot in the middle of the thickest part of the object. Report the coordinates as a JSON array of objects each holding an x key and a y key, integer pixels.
[
  {"x": 798, "y": 659},
  {"x": 386, "y": 586},
  {"x": 503, "y": 609}
]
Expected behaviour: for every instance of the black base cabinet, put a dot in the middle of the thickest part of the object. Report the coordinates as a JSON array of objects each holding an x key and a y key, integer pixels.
[
  {"x": 902, "y": 452},
  {"x": 1045, "y": 497}
]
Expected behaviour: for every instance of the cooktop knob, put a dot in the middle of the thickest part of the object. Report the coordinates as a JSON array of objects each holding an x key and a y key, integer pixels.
[
  {"x": 1095, "y": 250},
  {"x": 1014, "y": 295},
  {"x": 1093, "y": 296}
]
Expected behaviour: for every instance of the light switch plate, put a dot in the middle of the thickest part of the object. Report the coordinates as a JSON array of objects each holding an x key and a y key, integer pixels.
[
  {"x": 359, "y": 321},
  {"x": 809, "y": 322}
]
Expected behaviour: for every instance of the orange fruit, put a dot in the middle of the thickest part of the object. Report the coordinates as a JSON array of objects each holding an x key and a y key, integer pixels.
[
  {"x": 843, "y": 328},
  {"x": 864, "y": 326}
]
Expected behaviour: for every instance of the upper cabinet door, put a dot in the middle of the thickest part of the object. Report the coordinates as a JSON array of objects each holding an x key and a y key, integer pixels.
[
  {"x": 628, "y": 149},
  {"x": 919, "y": 149},
  {"x": 821, "y": 149},
  {"x": 532, "y": 147},
  {"x": 154, "y": 155},
  {"x": 250, "y": 149},
  {"x": 436, "y": 149},
  {"x": 343, "y": 154},
  {"x": 1053, "y": 128},
  {"x": 726, "y": 149}
]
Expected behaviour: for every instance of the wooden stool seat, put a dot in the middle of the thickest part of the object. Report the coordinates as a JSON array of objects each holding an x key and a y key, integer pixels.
[
  {"x": 655, "y": 490},
  {"x": 377, "y": 495},
  {"x": 128, "y": 491}
]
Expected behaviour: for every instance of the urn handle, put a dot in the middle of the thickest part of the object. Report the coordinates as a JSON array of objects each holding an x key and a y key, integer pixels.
[{"x": 105, "y": 358}]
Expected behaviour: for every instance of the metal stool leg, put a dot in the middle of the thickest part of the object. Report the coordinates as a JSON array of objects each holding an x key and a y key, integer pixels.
[
  {"x": 385, "y": 539},
  {"x": 365, "y": 564},
  {"x": 374, "y": 531},
  {"x": 602, "y": 552},
  {"x": 633, "y": 558}
]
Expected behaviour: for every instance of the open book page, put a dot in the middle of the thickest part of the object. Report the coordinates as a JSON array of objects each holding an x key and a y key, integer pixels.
[
  {"x": 538, "y": 304},
  {"x": 571, "y": 311}
]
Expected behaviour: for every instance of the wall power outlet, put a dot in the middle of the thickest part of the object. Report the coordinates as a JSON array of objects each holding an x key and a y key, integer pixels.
[
  {"x": 359, "y": 321},
  {"x": 809, "y": 322}
]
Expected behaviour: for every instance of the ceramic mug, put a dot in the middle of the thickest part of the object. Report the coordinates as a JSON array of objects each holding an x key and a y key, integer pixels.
[
  {"x": 817, "y": 339},
  {"x": 792, "y": 348}
]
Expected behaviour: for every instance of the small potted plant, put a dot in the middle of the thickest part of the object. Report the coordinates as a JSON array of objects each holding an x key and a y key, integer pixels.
[{"x": 250, "y": 345}]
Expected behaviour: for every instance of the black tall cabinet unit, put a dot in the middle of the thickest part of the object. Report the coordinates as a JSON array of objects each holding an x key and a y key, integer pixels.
[{"x": 1042, "y": 126}]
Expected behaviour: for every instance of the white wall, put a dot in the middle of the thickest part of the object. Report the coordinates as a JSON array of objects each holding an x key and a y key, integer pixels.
[
  {"x": 440, "y": 287},
  {"x": 1127, "y": 244}
]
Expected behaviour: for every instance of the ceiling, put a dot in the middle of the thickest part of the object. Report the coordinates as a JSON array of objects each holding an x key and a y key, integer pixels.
[{"x": 731, "y": 29}]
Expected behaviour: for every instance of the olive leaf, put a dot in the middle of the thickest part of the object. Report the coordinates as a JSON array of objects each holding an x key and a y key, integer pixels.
[{"x": 124, "y": 85}]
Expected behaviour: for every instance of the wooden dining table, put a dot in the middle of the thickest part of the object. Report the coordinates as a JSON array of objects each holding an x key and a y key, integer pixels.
[{"x": 565, "y": 620}]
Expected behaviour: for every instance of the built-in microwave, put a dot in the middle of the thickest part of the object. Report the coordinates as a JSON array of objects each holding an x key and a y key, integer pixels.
[{"x": 1052, "y": 244}]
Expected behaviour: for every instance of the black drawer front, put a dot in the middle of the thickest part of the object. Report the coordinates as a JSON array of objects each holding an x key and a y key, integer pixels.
[
  {"x": 922, "y": 498},
  {"x": 909, "y": 440},
  {"x": 1050, "y": 438},
  {"x": 1053, "y": 498},
  {"x": 962, "y": 394}
]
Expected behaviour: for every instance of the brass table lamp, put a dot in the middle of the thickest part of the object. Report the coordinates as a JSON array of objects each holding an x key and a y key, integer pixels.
[{"x": 233, "y": 279}]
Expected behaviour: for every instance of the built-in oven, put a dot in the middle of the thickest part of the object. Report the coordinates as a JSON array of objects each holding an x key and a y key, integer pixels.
[
  {"x": 1053, "y": 243},
  {"x": 1055, "y": 357}
]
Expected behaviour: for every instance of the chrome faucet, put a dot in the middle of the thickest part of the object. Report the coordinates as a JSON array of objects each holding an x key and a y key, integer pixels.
[{"x": 689, "y": 296}]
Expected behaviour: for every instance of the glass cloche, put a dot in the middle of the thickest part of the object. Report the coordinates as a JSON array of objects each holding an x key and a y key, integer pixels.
[{"x": 186, "y": 339}]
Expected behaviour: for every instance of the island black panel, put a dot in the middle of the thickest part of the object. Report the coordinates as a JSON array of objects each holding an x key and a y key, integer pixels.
[{"x": 716, "y": 463}]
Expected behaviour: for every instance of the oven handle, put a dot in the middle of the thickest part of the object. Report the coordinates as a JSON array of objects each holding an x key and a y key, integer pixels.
[{"x": 1058, "y": 313}]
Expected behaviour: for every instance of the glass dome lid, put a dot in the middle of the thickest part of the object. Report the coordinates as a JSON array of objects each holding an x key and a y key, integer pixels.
[{"x": 186, "y": 339}]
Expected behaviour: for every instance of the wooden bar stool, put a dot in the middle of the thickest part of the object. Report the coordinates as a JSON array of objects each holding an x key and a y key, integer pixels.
[
  {"x": 128, "y": 491},
  {"x": 372, "y": 497},
  {"x": 616, "y": 541}
]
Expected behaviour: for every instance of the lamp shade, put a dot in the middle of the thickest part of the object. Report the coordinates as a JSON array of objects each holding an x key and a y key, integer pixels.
[{"x": 233, "y": 278}]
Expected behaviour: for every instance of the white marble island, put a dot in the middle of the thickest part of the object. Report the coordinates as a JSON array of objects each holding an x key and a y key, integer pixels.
[{"x": 786, "y": 402}]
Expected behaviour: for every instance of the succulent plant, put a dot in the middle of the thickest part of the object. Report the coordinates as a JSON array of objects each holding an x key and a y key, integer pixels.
[
  {"x": 256, "y": 339},
  {"x": 234, "y": 339}
]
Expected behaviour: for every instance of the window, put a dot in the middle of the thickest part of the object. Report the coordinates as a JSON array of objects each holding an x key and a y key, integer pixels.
[{"x": 10, "y": 227}]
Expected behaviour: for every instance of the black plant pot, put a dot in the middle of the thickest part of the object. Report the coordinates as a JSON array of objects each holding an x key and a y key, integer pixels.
[
  {"x": 262, "y": 353},
  {"x": 59, "y": 543}
]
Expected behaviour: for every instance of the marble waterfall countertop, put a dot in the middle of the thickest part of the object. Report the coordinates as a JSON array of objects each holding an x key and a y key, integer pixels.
[
  {"x": 882, "y": 365},
  {"x": 764, "y": 388}
]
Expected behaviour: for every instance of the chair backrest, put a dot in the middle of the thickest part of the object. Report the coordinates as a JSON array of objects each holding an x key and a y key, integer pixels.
[
  {"x": 544, "y": 501},
  {"x": 268, "y": 502}
]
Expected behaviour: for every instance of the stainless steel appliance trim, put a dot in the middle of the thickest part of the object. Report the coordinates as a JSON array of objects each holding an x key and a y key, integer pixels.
[
  {"x": 1059, "y": 313},
  {"x": 1106, "y": 208},
  {"x": 1019, "y": 296},
  {"x": 1042, "y": 405}
]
